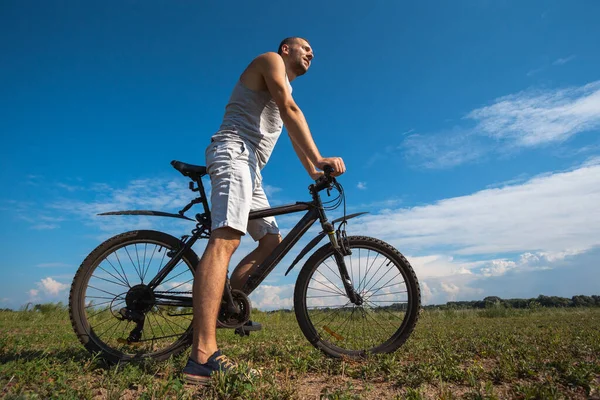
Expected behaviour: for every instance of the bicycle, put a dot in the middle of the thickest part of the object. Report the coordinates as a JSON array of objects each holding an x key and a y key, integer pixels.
[{"x": 341, "y": 308}]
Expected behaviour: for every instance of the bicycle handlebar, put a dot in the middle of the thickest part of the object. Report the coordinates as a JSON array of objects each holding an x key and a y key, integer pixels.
[{"x": 325, "y": 181}]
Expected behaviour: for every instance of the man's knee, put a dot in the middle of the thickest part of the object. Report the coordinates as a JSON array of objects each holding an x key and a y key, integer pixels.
[
  {"x": 225, "y": 239},
  {"x": 269, "y": 241}
]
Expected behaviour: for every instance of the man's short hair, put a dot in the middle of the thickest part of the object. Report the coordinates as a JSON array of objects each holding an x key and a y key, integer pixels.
[{"x": 288, "y": 41}]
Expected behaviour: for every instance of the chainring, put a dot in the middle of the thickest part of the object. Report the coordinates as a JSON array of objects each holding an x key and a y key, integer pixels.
[{"x": 235, "y": 320}]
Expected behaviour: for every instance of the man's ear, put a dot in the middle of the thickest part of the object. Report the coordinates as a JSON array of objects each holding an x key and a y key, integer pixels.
[{"x": 285, "y": 49}]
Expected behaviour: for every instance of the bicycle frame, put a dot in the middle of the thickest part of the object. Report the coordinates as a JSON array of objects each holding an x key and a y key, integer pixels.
[
  {"x": 314, "y": 211},
  {"x": 265, "y": 268}
]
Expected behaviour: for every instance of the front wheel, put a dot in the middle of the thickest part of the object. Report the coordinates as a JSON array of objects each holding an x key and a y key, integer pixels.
[{"x": 390, "y": 294}]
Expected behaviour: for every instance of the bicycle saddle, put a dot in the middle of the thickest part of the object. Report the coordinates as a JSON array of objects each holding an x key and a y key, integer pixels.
[{"x": 189, "y": 169}]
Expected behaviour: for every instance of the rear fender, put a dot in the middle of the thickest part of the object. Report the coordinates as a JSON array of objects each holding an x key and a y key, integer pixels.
[{"x": 147, "y": 212}]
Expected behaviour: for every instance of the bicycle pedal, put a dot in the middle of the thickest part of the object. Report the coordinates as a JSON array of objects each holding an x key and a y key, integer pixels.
[{"x": 240, "y": 331}]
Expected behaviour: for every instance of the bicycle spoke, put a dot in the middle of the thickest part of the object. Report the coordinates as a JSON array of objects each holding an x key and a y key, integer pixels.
[
  {"x": 96, "y": 313},
  {"x": 181, "y": 273},
  {"x": 388, "y": 301},
  {"x": 324, "y": 284},
  {"x": 336, "y": 274},
  {"x": 150, "y": 261},
  {"x": 325, "y": 291},
  {"x": 377, "y": 322},
  {"x": 394, "y": 277},
  {"x": 132, "y": 263},
  {"x": 336, "y": 305},
  {"x": 351, "y": 270},
  {"x": 386, "y": 311},
  {"x": 374, "y": 275},
  {"x": 112, "y": 294},
  {"x": 123, "y": 282},
  {"x": 386, "y": 294},
  {"x": 367, "y": 272},
  {"x": 137, "y": 256},
  {"x": 181, "y": 284},
  {"x": 124, "y": 276},
  {"x": 347, "y": 325},
  {"x": 395, "y": 284},
  {"x": 333, "y": 314},
  {"x": 99, "y": 297},
  {"x": 340, "y": 290},
  {"x": 319, "y": 297},
  {"x": 171, "y": 322},
  {"x": 120, "y": 284},
  {"x": 121, "y": 265},
  {"x": 388, "y": 282},
  {"x": 99, "y": 304},
  {"x": 100, "y": 334},
  {"x": 151, "y": 328},
  {"x": 144, "y": 262}
]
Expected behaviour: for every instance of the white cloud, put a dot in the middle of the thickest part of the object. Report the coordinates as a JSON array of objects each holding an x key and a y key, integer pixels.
[
  {"x": 51, "y": 286},
  {"x": 271, "y": 190},
  {"x": 459, "y": 246},
  {"x": 43, "y": 227},
  {"x": 140, "y": 194},
  {"x": 527, "y": 119},
  {"x": 426, "y": 294},
  {"x": 33, "y": 295},
  {"x": 556, "y": 212},
  {"x": 443, "y": 150},
  {"x": 563, "y": 61},
  {"x": 451, "y": 289},
  {"x": 498, "y": 267},
  {"x": 438, "y": 265},
  {"x": 362, "y": 185},
  {"x": 534, "y": 117},
  {"x": 267, "y": 297}
]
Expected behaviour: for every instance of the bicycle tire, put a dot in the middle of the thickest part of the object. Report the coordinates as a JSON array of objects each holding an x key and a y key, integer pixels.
[
  {"x": 334, "y": 338},
  {"x": 114, "y": 351}
]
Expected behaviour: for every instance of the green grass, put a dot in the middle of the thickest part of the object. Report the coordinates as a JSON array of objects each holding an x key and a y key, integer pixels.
[{"x": 452, "y": 354}]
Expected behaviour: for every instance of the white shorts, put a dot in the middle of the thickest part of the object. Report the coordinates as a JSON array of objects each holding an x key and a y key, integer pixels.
[{"x": 236, "y": 188}]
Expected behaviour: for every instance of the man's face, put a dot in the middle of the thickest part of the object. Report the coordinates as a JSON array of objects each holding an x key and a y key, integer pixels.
[{"x": 300, "y": 55}]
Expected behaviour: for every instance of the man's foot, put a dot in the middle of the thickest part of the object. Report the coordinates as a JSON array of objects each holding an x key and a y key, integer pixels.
[
  {"x": 200, "y": 374},
  {"x": 248, "y": 327}
]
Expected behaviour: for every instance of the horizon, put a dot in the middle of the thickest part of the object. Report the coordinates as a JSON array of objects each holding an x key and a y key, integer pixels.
[{"x": 470, "y": 132}]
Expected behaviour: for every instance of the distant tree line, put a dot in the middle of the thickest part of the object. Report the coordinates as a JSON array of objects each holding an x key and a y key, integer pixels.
[
  {"x": 490, "y": 301},
  {"x": 540, "y": 301}
]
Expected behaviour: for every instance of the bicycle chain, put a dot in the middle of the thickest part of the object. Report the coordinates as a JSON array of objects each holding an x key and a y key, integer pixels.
[{"x": 169, "y": 292}]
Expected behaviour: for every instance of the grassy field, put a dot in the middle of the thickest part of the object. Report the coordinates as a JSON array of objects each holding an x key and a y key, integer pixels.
[{"x": 471, "y": 354}]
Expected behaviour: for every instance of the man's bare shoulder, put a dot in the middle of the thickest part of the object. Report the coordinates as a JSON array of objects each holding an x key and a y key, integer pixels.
[{"x": 269, "y": 58}]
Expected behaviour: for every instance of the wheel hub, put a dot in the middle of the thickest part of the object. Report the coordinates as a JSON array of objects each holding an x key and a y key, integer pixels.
[{"x": 140, "y": 298}]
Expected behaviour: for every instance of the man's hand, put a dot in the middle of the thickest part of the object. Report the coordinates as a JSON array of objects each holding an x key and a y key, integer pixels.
[
  {"x": 316, "y": 175},
  {"x": 335, "y": 162}
]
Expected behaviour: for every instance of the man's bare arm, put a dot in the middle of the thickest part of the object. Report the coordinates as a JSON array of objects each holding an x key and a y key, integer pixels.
[
  {"x": 308, "y": 165},
  {"x": 272, "y": 68}
]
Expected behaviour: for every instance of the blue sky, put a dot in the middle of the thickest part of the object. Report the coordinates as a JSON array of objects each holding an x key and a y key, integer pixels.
[{"x": 469, "y": 130}]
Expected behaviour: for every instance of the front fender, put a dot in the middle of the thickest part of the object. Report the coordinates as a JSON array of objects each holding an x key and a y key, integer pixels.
[
  {"x": 317, "y": 239},
  {"x": 147, "y": 212}
]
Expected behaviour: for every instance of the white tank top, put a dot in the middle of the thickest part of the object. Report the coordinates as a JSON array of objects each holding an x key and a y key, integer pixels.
[{"x": 252, "y": 116}]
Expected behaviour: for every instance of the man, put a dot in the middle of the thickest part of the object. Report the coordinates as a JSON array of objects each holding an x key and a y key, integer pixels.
[{"x": 260, "y": 104}]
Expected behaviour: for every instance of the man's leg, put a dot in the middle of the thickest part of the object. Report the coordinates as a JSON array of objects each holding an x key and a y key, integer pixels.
[
  {"x": 252, "y": 260},
  {"x": 209, "y": 282}
]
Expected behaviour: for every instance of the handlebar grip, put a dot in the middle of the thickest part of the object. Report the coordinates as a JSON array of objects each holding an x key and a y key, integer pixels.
[{"x": 327, "y": 169}]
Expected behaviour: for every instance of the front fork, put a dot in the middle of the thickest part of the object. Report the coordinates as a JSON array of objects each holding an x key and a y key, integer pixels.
[{"x": 339, "y": 251}]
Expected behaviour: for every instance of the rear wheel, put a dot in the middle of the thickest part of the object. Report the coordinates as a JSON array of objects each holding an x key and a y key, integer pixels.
[
  {"x": 387, "y": 285},
  {"x": 112, "y": 281}
]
